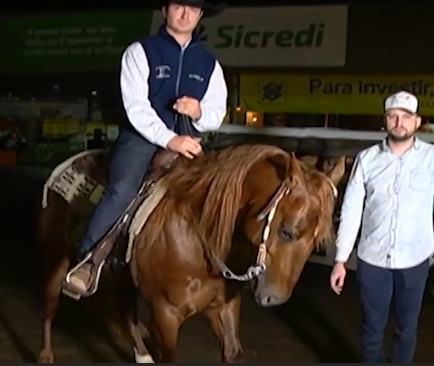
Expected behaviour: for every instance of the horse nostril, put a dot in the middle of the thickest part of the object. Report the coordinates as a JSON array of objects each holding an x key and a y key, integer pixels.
[
  {"x": 265, "y": 300},
  {"x": 269, "y": 301}
]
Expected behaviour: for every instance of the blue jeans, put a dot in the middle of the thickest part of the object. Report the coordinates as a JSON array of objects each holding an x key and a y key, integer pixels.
[
  {"x": 377, "y": 286},
  {"x": 130, "y": 161}
]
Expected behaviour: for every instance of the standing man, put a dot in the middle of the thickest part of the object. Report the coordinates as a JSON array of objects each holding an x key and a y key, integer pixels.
[
  {"x": 172, "y": 90},
  {"x": 390, "y": 194}
]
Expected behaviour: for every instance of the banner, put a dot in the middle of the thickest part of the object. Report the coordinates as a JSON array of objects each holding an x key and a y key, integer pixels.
[
  {"x": 69, "y": 42},
  {"x": 284, "y": 36},
  {"x": 275, "y": 36},
  {"x": 331, "y": 94}
]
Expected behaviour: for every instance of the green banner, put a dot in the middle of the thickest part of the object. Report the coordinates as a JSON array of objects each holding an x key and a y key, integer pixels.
[{"x": 72, "y": 42}]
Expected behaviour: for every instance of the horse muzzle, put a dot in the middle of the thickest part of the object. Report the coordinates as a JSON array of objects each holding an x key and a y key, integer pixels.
[{"x": 268, "y": 295}]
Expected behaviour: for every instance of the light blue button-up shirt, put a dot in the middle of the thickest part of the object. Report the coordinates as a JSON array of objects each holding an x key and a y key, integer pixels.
[{"x": 391, "y": 198}]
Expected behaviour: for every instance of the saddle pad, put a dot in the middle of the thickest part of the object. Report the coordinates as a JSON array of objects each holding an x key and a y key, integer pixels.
[
  {"x": 69, "y": 182},
  {"x": 156, "y": 194}
]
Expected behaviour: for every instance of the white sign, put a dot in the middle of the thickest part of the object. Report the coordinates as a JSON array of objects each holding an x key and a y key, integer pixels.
[{"x": 312, "y": 36}]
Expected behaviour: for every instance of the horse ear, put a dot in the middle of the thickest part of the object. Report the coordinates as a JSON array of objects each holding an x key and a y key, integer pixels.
[
  {"x": 295, "y": 171},
  {"x": 338, "y": 171}
]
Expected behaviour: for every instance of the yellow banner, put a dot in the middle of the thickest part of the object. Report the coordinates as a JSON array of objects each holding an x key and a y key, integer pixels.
[
  {"x": 331, "y": 94},
  {"x": 61, "y": 127}
]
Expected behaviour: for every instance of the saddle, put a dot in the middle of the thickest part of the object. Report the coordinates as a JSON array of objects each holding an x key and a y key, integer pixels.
[{"x": 93, "y": 263}]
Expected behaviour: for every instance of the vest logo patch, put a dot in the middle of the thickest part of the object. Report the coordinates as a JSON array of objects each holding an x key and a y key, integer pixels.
[
  {"x": 196, "y": 77},
  {"x": 163, "y": 72}
]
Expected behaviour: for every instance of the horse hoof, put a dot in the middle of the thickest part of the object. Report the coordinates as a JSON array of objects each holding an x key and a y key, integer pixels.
[
  {"x": 235, "y": 358},
  {"x": 143, "y": 358},
  {"x": 46, "y": 357}
]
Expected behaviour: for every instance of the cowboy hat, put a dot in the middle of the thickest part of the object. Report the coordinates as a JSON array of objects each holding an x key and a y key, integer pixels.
[{"x": 209, "y": 10}]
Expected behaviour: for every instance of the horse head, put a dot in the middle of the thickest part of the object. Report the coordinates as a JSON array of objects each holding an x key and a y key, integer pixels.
[{"x": 289, "y": 213}]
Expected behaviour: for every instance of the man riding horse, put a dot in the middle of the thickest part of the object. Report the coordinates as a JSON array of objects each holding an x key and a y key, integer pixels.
[{"x": 172, "y": 90}]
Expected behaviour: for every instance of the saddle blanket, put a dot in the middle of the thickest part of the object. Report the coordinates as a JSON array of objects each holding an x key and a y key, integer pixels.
[{"x": 75, "y": 178}]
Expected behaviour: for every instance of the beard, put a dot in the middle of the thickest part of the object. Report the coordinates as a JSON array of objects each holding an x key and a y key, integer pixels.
[{"x": 395, "y": 137}]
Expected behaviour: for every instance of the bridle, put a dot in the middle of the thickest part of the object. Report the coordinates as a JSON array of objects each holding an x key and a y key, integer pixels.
[{"x": 267, "y": 213}]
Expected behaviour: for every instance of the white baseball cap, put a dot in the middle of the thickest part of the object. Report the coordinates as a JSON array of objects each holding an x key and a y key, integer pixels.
[{"x": 402, "y": 100}]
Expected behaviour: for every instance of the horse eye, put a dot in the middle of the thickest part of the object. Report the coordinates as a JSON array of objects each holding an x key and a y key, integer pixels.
[{"x": 286, "y": 235}]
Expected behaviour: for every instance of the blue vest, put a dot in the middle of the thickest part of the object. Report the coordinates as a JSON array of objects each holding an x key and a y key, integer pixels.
[{"x": 175, "y": 73}]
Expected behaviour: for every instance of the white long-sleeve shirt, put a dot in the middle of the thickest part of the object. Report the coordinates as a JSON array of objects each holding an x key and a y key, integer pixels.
[{"x": 135, "y": 96}]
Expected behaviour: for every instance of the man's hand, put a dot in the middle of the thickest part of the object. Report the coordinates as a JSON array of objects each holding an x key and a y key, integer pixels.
[
  {"x": 337, "y": 278},
  {"x": 188, "y": 106},
  {"x": 186, "y": 145}
]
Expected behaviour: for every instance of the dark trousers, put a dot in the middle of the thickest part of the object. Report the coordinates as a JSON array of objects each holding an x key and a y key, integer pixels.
[
  {"x": 130, "y": 161},
  {"x": 377, "y": 287}
]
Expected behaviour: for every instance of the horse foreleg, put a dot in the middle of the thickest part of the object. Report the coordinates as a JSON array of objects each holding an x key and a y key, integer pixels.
[
  {"x": 52, "y": 288},
  {"x": 138, "y": 331},
  {"x": 166, "y": 323},
  {"x": 224, "y": 322}
]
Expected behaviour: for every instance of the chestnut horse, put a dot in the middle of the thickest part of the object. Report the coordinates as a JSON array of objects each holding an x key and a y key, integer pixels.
[{"x": 221, "y": 210}]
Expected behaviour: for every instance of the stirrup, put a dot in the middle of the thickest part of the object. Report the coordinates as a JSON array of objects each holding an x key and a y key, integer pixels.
[{"x": 95, "y": 273}]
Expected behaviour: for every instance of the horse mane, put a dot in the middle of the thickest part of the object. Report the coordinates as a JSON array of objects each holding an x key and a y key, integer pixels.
[
  {"x": 209, "y": 189},
  {"x": 320, "y": 191}
]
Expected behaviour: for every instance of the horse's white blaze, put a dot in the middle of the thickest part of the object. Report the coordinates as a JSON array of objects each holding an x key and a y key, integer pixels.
[{"x": 143, "y": 358}]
